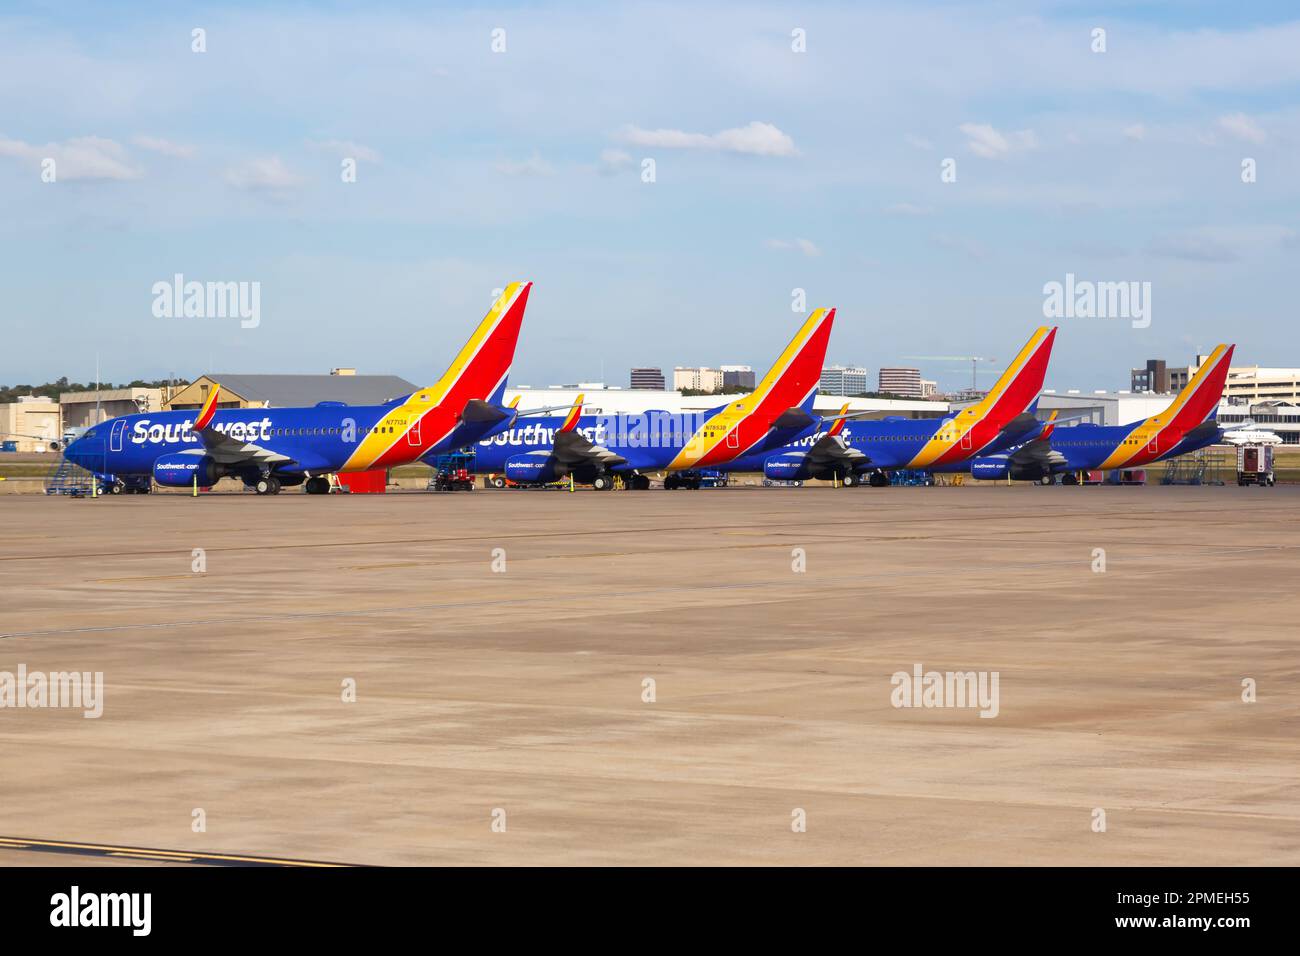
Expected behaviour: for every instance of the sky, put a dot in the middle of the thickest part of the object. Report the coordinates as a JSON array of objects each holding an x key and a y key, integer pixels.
[{"x": 775, "y": 169}]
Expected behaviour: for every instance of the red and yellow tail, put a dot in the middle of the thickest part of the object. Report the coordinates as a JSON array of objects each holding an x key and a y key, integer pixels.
[
  {"x": 1012, "y": 394},
  {"x": 478, "y": 371},
  {"x": 791, "y": 381},
  {"x": 794, "y": 377},
  {"x": 1159, "y": 433}
]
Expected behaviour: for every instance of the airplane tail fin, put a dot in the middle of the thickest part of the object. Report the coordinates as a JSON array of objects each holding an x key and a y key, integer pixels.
[
  {"x": 209, "y": 409},
  {"x": 480, "y": 369},
  {"x": 571, "y": 420},
  {"x": 1199, "y": 399},
  {"x": 792, "y": 380},
  {"x": 1016, "y": 391}
]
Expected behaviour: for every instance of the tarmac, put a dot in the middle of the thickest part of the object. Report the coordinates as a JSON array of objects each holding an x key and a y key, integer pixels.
[{"x": 650, "y": 678}]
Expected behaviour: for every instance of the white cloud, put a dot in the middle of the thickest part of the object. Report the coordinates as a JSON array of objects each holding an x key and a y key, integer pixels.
[
  {"x": 265, "y": 174},
  {"x": 756, "y": 139},
  {"x": 806, "y": 246},
  {"x": 983, "y": 140},
  {"x": 613, "y": 161},
  {"x": 346, "y": 149},
  {"x": 1242, "y": 127},
  {"x": 83, "y": 157},
  {"x": 1137, "y": 132},
  {"x": 532, "y": 166},
  {"x": 165, "y": 146},
  {"x": 920, "y": 142}
]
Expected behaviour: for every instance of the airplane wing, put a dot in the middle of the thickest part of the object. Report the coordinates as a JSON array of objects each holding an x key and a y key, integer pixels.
[
  {"x": 571, "y": 447},
  {"x": 833, "y": 448},
  {"x": 1038, "y": 450},
  {"x": 226, "y": 450}
]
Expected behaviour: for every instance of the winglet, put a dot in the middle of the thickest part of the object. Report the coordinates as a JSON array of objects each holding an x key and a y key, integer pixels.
[
  {"x": 1051, "y": 425},
  {"x": 571, "y": 420},
  {"x": 839, "y": 421},
  {"x": 209, "y": 409},
  {"x": 514, "y": 402}
]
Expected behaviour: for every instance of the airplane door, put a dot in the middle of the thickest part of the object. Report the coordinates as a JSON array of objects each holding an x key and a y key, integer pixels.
[
  {"x": 966, "y": 440},
  {"x": 1151, "y": 445},
  {"x": 733, "y": 437},
  {"x": 115, "y": 437},
  {"x": 413, "y": 433}
]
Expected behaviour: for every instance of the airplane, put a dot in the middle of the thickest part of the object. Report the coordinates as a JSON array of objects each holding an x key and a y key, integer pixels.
[
  {"x": 1188, "y": 424},
  {"x": 271, "y": 448},
  {"x": 594, "y": 449},
  {"x": 866, "y": 451}
]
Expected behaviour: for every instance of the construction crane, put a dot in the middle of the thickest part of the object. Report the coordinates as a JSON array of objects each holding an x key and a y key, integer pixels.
[{"x": 973, "y": 359}]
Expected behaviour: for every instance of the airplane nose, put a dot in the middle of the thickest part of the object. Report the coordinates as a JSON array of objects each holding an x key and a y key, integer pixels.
[{"x": 75, "y": 451}]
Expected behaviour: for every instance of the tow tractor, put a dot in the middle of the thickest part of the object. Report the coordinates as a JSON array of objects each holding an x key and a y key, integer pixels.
[
  {"x": 704, "y": 478},
  {"x": 452, "y": 472}
]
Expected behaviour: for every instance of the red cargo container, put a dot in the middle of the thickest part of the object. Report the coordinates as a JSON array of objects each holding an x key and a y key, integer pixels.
[{"x": 365, "y": 482}]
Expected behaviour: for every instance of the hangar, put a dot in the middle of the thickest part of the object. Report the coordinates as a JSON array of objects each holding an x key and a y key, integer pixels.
[{"x": 292, "y": 391}]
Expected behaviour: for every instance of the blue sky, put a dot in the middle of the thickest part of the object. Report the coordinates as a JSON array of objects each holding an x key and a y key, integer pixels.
[{"x": 775, "y": 170}]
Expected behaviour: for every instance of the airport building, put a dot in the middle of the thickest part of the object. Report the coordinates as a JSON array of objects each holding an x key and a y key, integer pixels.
[
  {"x": 281, "y": 391},
  {"x": 738, "y": 376},
  {"x": 648, "y": 378},
  {"x": 1281, "y": 418},
  {"x": 701, "y": 379},
  {"x": 30, "y": 424},
  {"x": 84, "y": 409},
  {"x": 1246, "y": 383},
  {"x": 844, "y": 380},
  {"x": 617, "y": 401},
  {"x": 901, "y": 381}
]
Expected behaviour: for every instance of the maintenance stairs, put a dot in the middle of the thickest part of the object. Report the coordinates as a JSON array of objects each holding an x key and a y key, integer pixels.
[
  {"x": 1204, "y": 467},
  {"x": 69, "y": 479}
]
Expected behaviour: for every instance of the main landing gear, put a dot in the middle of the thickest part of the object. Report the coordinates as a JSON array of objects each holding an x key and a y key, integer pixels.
[
  {"x": 267, "y": 485},
  {"x": 317, "y": 485}
]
